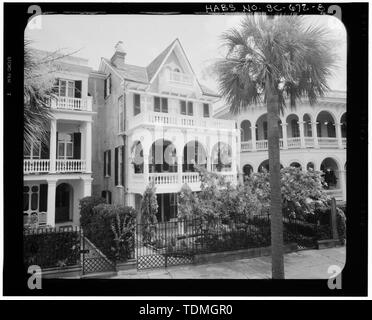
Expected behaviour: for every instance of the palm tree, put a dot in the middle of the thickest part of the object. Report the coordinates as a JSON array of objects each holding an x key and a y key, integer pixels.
[
  {"x": 38, "y": 91},
  {"x": 270, "y": 60}
]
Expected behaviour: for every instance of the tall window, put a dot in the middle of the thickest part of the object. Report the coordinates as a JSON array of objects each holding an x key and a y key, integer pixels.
[
  {"x": 107, "y": 163},
  {"x": 136, "y": 104},
  {"x": 265, "y": 130},
  {"x": 65, "y": 146},
  {"x": 121, "y": 120},
  {"x": 107, "y": 88},
  {"x": 106, "y": 194},
  {"x": 160, "y": 104},
  {"x": 187, "y": 108},
  {"x": 119, "y": 166},
  {"x": 34, "y": 152},
  {"x": 206, "y": 110},
  {"x": 295, "y": 128}
]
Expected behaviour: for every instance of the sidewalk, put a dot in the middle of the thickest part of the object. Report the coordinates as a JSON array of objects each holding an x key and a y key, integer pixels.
[{"x": 306, "y": 264}]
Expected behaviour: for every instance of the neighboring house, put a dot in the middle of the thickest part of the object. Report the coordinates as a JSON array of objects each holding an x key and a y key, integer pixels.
[
  {"x": 311, "y": 137},
  {"x": 154, "y": 123},
  {"x": 58, "y": 174}
]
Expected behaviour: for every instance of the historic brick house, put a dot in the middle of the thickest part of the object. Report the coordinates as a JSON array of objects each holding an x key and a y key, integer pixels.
[
  {"x": 311, "y": 137},
  {"x": 154, "y": 123},
  {"x": 58, "y": 174}
]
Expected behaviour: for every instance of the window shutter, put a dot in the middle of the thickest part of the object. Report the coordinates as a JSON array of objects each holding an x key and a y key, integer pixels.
[
  {"x": 105, "y": 88},
  {"x": 137, "y": 104},
  {"x": 109, "y": 196},
  {"x": 103, "y": 194},
  {"x": 116, "y": 166},
  {"x": 109, "y": 162},
  {"x": 122, "y": 164},
  {"x": 190, "y": 110},
  {"x": 183, "y": 107},
  {"x": 104, "y": 164},
  {"x": 164, "y": 102},
  {"x": 109, "y": 79},
  {"x": 57, "y": 152},
  {"x": 77, "y": 145},
  {"x": 78, "y": 89},
  {"x": 157, "y": 104},
  {"x": 43, "y": 199}
]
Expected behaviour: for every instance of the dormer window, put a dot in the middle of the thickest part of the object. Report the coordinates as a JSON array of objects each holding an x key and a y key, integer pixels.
[{"x": 176, "y": 70}]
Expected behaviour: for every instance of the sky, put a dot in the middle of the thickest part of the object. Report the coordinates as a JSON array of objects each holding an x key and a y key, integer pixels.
[{"x": 145, "y": 36}]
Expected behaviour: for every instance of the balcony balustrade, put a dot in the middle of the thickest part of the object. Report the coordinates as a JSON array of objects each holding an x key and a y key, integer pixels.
[
  {"x": 181, "y": 78},
  {"x": 294, "y": 143},
  {"x": 68, "y": 103},
  {"x": 61, "y": 166},
  {"x": 181, "y": 121}
]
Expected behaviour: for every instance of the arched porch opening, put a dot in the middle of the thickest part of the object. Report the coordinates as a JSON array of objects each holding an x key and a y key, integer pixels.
[
  {"x": 265, "y": 165},
  {"x": 296, "y": 165},
  {"x": 137, "y": 157},
  {"x": 330, "y": 171},
  {"x": 262, "y": 128},
  {"x": 245, "y": 131},
  {"x": 247, "y": 171},
  {"x": 343, "y": 126},
  {"x": 307, "y": 125},
  {"x": 293, "y": 129},
  {"x": 194, "y": 153},
  {"x": 310, "y": 166},
  {"x": 162, "y": 157},
  {"x": 221, "y": 157},
  {"x": 326, "y": 125}
]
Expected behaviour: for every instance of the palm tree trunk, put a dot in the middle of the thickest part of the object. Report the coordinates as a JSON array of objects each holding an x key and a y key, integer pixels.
[{"x": 275, "y": 194}]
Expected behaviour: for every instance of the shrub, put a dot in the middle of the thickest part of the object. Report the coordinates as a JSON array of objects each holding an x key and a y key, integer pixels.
[
  {"x": 50, "y": 248},
  {"x": 112, "y": 230},
  {"x": 86, "y": 209},
  {"x": 149, "y": 209}
]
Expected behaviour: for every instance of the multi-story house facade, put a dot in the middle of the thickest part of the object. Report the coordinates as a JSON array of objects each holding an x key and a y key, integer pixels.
[
  {"x": 154, "y": 124},
  {"x": 311, "y": 137},
  {"x": 59, "y": 173}
]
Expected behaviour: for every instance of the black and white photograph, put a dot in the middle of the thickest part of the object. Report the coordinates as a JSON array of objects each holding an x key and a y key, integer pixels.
[{"x": 186, "y": 146}]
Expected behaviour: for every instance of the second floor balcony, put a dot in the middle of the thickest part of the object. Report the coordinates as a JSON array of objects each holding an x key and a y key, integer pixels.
[
  {"x": 69, "y": 103},
  {"x": 178, "y": 120}
]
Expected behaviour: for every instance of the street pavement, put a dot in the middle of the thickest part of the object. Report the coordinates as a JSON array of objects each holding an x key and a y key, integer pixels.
[{"x": 305, "y": 264}]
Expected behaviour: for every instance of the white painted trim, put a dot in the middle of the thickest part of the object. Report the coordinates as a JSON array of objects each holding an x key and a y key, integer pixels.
[{"x": 170, "y": 96}]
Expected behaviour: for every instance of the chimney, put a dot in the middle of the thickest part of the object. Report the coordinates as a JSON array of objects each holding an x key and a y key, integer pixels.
[{"x": 118, "y": 59}]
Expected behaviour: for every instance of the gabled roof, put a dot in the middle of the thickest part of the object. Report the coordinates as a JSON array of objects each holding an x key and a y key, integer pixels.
[
  {"x": 154, "y": 66},
  {"x": 146, "y": 74}
]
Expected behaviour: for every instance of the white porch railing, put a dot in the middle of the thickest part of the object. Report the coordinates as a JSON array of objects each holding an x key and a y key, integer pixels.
[
  {"x": 309, "y": 142},
  {"x": 261, "y": 145},
  {"x": 179, "y": 77},
  {"x": 326, "y": 142},
  {"x": 176, "y": 120},
  {"x": 335, "y": 193},
  {"x": 163, "y": 178},
  {"x": 229, "y": 176},
  {"x": 67, "y": 103},
  {"x": 72, "y": 165},
  {"x": 190, "y": 177},
  {"x": 294, "y": 142},
  {"x": 36, "y": 165},
  {"x": 246, "y": 146}
]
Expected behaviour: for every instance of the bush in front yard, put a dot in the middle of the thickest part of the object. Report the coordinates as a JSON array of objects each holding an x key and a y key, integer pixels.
[
  {"x": 51, "y": 248},
  {"x": 86, "y": 209},
  {"x": 112, "y": 230}
]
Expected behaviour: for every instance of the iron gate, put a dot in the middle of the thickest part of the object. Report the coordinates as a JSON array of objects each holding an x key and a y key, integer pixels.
[
  {"x": 92, "y": 259},
  {"x": 164, "y": 244}
]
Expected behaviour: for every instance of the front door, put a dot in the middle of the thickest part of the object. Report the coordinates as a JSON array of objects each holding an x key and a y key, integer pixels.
[{"x": 63, "y": 196}]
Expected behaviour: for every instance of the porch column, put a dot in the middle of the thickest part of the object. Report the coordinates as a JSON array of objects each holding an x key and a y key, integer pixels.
[
  {"x": 253, "y": 135},
  {"x": 53, "y": 145},
  {"x": 284, "y": 129},
  {"x": 342, "y": 176},
  {"x": 179, "y": 169},
  {"x": 88, "y": 146},
  {"x": 302, "y": 135},
  {"x": 145, "y": 169},
  {"x": 314, "y": 131},
  {"x": 87, "y": 187},
  {"x": 339, "y": 135},
  {"x": 51, "y": 206}
]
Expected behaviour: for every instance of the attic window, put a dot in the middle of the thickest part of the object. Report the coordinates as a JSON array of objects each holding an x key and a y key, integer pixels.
[{"x": 176, "y": 70}]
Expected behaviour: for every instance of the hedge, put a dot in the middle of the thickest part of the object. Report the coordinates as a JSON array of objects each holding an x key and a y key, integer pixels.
[{"x": 86, "y": 209}]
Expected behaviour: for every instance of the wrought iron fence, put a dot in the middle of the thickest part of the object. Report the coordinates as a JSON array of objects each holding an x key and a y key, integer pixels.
[{"x": 52, "y": 247}]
